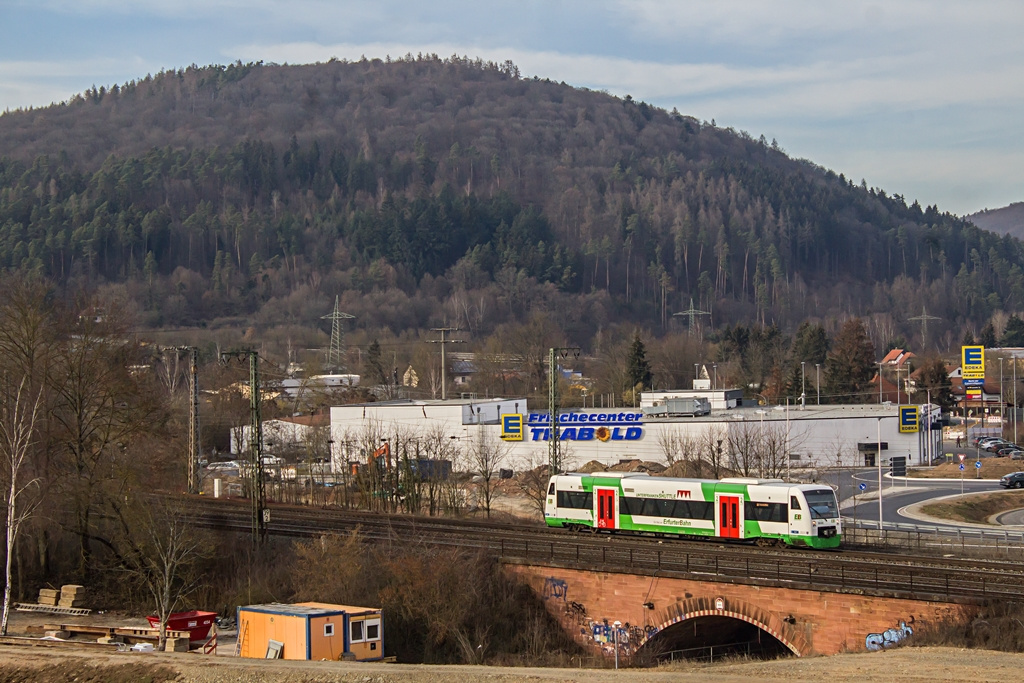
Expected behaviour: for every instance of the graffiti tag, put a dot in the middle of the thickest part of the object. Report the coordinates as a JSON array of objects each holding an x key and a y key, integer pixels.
[
  {"x": 555, "y": 589},
  {"x": 888, "y": 637}
]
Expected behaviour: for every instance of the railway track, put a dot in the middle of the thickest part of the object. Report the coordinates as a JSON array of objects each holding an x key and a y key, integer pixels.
[{"x": 948, "y": 579}]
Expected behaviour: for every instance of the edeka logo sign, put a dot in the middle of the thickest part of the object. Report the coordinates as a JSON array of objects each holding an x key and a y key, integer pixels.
[
  {"x": 972, "y": 362},
  {"x": 512, "y": 427},
  {"x": 909, "y": 419},
  {"x": 588, "y": 426}
]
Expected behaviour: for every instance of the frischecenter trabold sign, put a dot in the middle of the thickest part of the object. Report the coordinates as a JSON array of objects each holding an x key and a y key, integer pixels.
[{"x": 596, "y": 426}]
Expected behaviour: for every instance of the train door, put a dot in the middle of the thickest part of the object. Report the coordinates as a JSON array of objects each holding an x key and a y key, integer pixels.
[
  {"x": 605, "y": 508},
  {"x": 728, "y": 516}
]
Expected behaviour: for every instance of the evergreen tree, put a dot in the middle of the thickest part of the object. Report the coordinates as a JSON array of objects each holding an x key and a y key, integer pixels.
[
  {"x": 638, "y": 367},
  {"x": 1013, "y": 335},
  {"x": 375, "y": 364},
  {"x": 850, "y": 364},
  {"x": 968, "y": 339},
  {"x": 988, "y": 336}
]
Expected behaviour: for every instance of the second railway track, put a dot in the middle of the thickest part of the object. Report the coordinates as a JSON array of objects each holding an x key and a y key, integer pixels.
[{"x": 876, "y": 573}]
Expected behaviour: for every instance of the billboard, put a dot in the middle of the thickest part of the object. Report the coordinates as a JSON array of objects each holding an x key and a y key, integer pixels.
[{"x": 972, "y": 362}]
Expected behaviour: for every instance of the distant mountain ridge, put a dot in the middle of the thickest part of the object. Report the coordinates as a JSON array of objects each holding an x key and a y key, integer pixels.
[
  {"x": 1008, "y": 220},
  {"x": 425, "y": 189}
]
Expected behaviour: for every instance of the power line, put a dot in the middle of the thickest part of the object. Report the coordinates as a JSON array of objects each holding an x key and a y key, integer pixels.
[
  {"x": 691, "y": 313},
  {"x": 923, "y": 319},
  {"x": 335, "y": 358},
  {"x": 442, "y": 341}
]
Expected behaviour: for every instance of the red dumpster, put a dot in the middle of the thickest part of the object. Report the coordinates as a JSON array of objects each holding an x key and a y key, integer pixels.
[{"x": 195, "y": 622}]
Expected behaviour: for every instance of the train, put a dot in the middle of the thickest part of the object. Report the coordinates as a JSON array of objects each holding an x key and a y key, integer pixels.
[{"x": 765, "y": 512}]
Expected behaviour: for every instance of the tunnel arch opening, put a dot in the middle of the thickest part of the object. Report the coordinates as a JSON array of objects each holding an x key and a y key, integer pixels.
[{"x": 710, "y": 637}]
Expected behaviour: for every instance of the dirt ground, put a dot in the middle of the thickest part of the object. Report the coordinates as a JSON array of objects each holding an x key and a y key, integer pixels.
[{"x": 37, "y": 664}]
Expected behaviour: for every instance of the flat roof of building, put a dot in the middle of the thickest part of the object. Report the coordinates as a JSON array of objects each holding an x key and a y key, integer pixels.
[{"x": 308, "y": 609}]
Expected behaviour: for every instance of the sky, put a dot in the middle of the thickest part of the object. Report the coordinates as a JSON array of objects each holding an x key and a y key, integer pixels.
[{"x": 923, "y": 98}]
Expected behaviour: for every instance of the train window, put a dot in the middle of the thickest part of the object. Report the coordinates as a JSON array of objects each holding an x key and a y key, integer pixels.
[
  {"x": 766, "y": 512},
  {"x": 822, "y": 504},
  {"x": 794, "y": 503},
  {"x": 702, "y": 510},
  {"x": 631, "y": 506},
  {"x": 577, "y": 500},
  {"x": 551, "y": 489}
]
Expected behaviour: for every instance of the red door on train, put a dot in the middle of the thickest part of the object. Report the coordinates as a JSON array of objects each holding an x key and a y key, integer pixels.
[
  {"x": 729, "y": 516},
  {"x": 605, "y": 508}
]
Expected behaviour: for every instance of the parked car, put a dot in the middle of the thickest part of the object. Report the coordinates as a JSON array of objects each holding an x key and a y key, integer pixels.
[
  {"x": 1006, "y": 450},
  {"x": 272, "y": 460},
  {"x": 994, "y": 446},
  {"x": 226, "y": 465},
  {"x": 1014, "y": 480}
]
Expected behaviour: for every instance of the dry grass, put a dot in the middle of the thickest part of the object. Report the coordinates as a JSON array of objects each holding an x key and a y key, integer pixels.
[
  {"x": 991, "y": 468},
  {"x": 976, "y": 508},
  {"x": 995, "y": 626}
]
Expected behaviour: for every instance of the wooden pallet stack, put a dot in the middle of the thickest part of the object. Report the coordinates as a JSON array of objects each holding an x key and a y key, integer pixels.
[
  {"x": 71, "y": 596},
  {"x": 48, "y": 597}
]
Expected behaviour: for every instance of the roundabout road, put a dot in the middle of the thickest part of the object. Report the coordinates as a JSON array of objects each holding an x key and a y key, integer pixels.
[{"x": 898, "y": 494}]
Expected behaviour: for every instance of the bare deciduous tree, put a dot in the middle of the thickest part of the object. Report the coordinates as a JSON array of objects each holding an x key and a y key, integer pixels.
[
  {"x": 163, "y": 552},
  {"x": 485, "y": 458},
  {"x": 18, "y": 417}
]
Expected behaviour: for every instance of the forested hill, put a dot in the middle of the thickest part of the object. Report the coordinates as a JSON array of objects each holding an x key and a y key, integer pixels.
[{"x": 425, "y": 190}]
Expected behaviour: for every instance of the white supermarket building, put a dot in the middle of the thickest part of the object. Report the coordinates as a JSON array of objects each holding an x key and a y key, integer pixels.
[{"x": 813, "y": 436}]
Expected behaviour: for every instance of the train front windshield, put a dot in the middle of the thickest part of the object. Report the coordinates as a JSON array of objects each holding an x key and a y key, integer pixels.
[{"x": 822, "y": 504}]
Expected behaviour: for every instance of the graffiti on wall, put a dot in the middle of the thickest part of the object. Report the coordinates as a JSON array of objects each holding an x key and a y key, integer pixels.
[
  {"x": 889, "y": 637},
  {"x": 555, "y": 589},
  {"x": 599, "y": 632}
]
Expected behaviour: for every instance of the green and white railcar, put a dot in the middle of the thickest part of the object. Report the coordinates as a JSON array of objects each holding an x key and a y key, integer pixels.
[{"x": 765, "y": 511}]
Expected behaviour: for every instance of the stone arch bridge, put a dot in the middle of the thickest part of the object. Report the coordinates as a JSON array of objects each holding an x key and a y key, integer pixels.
[{"x": 663, "y": 614}]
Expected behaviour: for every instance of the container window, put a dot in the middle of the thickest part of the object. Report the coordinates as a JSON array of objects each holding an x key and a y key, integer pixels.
[
  {"x": 328, "y": 630},
  {"x": 373, "y": 629},
  {"x": 356, "y": 632}
]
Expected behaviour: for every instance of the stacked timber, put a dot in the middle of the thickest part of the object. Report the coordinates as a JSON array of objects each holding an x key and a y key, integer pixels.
[
  {"x": 48, "y": 596},
  {"x": 71, "y": 596}
]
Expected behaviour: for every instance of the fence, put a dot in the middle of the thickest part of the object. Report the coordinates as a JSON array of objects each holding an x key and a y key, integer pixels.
[{"x": 962, "y": 540}]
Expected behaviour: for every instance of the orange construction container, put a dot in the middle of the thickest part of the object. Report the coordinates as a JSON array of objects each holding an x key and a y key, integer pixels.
[{"x": 310, "y": 630}]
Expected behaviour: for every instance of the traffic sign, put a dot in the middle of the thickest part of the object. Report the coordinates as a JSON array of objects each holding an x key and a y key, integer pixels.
[
  {"x": 978, "y": 464},
  {"x": 961, "y": 456},
  {"x": 961, "y": 467},
  {"x": 972, "y": 362},
  {"x": 863, "y": 487}
]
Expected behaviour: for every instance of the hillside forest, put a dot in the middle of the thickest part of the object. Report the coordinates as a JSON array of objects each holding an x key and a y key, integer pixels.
[{"x": 231, "y": 205}]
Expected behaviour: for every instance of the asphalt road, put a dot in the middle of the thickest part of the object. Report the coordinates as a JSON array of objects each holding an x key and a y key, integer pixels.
[{"x": 897, "y": 494}]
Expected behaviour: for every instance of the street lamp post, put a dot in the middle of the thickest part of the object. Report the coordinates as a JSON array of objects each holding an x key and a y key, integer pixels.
[
  {"x": 878, "y": 462},
  {"x": 803, "y": 386},
  {"x": 616, "y": 626},
  {"x": 817, "y": 380},
  {"x": 879, "y": 382},
  {"x": 760, "y": 459},
  {"x": 1002, "y": 422}
]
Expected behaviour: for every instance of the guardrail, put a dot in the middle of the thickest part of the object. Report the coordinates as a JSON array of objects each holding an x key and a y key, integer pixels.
[
  {"x": 817, "y": 572},
  {"x": 964, "y": 540}
]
